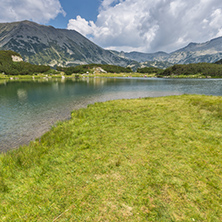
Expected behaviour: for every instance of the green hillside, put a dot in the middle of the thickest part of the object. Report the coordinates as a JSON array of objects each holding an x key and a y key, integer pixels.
[
  {"x": 204, "y": 69},
  {"x": 92, "y": 67},
  {"x": 9, "y": 67},
  {"x": 149, "y": 70}
]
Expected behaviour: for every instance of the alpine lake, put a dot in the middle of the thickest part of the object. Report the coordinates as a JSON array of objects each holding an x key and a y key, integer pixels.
[{"x": 30, "y": 108}]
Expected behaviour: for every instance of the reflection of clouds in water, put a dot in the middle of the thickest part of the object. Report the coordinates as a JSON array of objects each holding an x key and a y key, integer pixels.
[
  {"x": 95, "y": 81},
  {"x": 63, "y": 80},
  {"x": 3, "y": 82},
  {"x": 35, "y": 110},
  {"x": 99, "y": 82},
  {"x": 55, "y": 86},
  {"x": 22, "y": 94}
]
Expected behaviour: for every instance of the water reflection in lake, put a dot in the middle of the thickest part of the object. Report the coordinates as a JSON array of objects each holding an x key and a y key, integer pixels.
[{"x": 30, "y": 108}]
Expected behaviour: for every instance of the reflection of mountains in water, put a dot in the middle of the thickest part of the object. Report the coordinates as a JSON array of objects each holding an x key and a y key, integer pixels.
[{"x": 30, "y": 108}]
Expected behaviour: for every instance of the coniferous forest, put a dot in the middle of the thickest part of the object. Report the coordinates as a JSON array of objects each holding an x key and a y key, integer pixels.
[
  {"x": 8, "y": 67},
  {"x": 89, "y": 68},
  {"x": 205, "y": 69}
]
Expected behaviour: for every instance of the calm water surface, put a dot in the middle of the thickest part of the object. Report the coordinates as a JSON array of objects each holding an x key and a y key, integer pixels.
[{"x": 29, "y": 108}]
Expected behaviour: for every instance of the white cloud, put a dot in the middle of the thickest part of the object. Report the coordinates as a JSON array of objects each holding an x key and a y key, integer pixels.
[
  {"x": 216, "y": 19},
  {"x": 150, "y": 25},
  {"x": 82, "y": 26},
  {"x": 39, "y": 11}
]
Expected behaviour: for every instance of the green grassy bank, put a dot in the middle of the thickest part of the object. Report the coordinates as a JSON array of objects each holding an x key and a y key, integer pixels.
[
  {"x": 41, "y": 76},
  {"x": 154, "y": 159}
]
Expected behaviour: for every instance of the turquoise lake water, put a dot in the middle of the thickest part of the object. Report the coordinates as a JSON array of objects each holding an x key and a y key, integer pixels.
[{"x": 29, "y": 108}]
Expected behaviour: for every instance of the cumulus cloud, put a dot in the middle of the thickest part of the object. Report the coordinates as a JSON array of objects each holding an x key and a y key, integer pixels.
[
  {"x": 148, "y": 26},
  {"x": 39, "y": 11},
  {"x": 81, "y": 25}
]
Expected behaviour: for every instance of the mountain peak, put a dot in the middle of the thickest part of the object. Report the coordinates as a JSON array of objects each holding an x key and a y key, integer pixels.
[
  {"x": 27, "y": 21},
  {"x": 40, "y": 44},
  {"x": 46, "y": 45}
]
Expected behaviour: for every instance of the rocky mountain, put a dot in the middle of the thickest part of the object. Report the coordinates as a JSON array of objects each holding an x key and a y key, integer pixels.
[
  {"x": 158, "y": 59},
  {"x": 210, "y": 52},
  {"x": 142, "y": 57},
  {"x": 39, "y": 44},
  {"x": 46, "y": 45},
  {"x": 219, "y": 61}
]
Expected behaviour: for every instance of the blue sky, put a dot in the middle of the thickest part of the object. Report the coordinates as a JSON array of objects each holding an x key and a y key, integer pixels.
[
  {"x": 125, "y": 25},
  {"x": 87, "y": 9}
]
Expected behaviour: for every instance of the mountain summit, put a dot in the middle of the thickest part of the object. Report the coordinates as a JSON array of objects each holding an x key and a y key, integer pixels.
[{"x": 39, "y": 44}]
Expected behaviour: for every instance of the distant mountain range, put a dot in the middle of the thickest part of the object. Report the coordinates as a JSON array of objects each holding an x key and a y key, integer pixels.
[
  {"x": 39, "y": 44},
  {"x": 210, "y": 52}
]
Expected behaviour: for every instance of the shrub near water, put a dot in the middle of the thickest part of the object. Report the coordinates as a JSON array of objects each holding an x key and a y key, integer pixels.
[
  {"x": 91, "y": 68},
  {"x": 155, "y": 159}
]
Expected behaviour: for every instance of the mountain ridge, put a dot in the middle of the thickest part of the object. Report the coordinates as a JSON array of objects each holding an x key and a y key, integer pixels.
[
  {"x": 46, "y": 45},
  {"x": 210, "y": 51},
  {"x": 41, "y": 44}
]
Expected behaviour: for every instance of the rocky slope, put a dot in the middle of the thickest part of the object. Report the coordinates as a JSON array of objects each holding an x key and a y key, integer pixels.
[
  {"x": 210, "y": 52},
  {"x": 40, "y": 44},
  {"x": 47, "y": 45}
]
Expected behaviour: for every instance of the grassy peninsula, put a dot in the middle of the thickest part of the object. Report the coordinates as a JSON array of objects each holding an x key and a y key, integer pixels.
[{"x": 154, "y": 159}]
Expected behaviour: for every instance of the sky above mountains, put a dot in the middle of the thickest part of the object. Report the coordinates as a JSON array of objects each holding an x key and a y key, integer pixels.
[{"x": 128, "y": 25}]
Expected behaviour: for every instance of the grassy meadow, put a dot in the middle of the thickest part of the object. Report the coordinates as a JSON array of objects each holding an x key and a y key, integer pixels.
[{"x": 152, "y": 159}]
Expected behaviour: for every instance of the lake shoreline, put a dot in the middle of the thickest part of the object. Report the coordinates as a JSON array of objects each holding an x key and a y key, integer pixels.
[
  {"x": 30, "y": 107},
  {"x": 80, "y": 76},
  {"x": 128, "y": 160}
]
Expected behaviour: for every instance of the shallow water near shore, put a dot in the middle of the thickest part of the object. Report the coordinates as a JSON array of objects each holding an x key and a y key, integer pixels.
[{"x": 29, "y": 108}]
